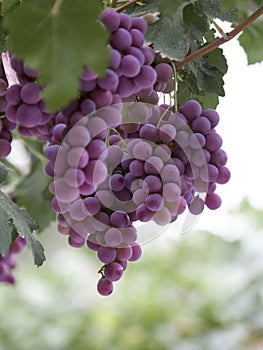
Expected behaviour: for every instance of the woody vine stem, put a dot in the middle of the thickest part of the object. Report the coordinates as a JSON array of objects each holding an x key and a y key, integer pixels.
[{"x": 212, "y": 46}]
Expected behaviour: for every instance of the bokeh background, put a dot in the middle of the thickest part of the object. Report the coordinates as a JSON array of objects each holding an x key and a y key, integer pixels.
[{"x": 198, "y": 291}]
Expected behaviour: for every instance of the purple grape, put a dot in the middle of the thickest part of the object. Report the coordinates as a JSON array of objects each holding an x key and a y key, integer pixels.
[
  {"x": 102, "y": 98},
  {"x": 88, "y": 86},
  {"x": 137, "y": 53},
  {"x": 124, "y": 253},
  {"x": 137, "y": 38},
  {"x": 96, "y": 172},
  {"x": 121, "y": 39},
  {"x": 191, "y": 109},
  {"x": 126, "y": 87},
  {"x": 120, "y": 219},
  {"x": 164, "y": 72},
  {"x": 115, "y": 59},
  {"x": 171, "y": 192},
  {"x": 111, "y": 19},
  {"x": 223, "y": 175},
  {"x": 77, "y": 157},
  {"x": 152, "y": 184},
  {"x": 153, "y": 165},
  {"x": 31, "y": 73},
  {"x": 107, "y": 254},
  {"x": 109, "y": 81},
  {"x": 213, "y": 201},
  {"x": 93, "y": 246},
  {"x": 148, "y": 54},
  {"x": 113, "y": 237},
  {"x": 104, "y": 287},
  {"x": 96, "y": 149},
  {"x": 197, "y": 206},
  {"x": 28, "y": 116},
  {"x": 197, "y": 140},
  {"x": 167, "y": 133},
  {"x": 212, "y": 116},
  {"x": 79, "y": 136},
  {"x": 140, "y": 24},
  {"x": 117, "y": 182},
  {"x": 170, "y": 173},
  {"x": 113, "y": 271},
  {"x": 92, "y": 205},
  {"x": 163, "y": 217},
  {"x": 130, "y": 66},
  {"x": 146, "y": 77},
  {"x": 219, "y": 158},
  {"x": 143, "y": 213},
  {"x": 154, "y": 202},
  {"x": 137, "y": 167},
  {"x": 125, "y": 21},
  {"x": 142, "y": 150},
  {"x": 58, "y": 132},
  {"x": 5, "y": 148},
  {"x": 30, "y": 93},
  {"x": 213, "y": 141},
  {"x": 12, "y": 95},
  {"x": 87, "y": 106},
  {"x": 201, "y": 125}
]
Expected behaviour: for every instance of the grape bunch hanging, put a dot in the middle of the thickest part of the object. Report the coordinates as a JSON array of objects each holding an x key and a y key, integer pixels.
[{"x": 117, "y": 156}]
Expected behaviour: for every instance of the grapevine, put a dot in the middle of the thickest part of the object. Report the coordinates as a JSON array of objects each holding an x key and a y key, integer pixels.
[{"x": 116, "y": 154}]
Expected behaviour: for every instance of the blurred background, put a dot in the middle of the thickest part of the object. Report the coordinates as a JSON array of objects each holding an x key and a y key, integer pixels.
[{"x": 198, "y": 291}]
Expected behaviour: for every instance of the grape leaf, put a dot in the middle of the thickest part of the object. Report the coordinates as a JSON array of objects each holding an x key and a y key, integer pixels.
[
  {"x": 147, "y": 6},
  {"x": 58, "y": 38},
  {"x": 18, "y": 219},
  {"x": 8, "y": 5},
  {"x": 5, "y": 233},
  {"x": 213, "y": 8},
  {"x": 168, "y": 37},
  {"x": 251, "y": 40},
  {"x": 3, "y": 172},
  {"x": 32, "y": 194}
]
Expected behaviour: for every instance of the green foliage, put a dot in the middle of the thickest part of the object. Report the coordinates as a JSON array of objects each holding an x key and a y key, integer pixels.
[
  {"x": 251, "y": 40},
  {"x": 58, "y": 39},
  {"x": 3, "y": 172},
  {"x": 8, "y": 5},
  {"x": 15, "y": 218},
  {"x": 32, "y": 194}
]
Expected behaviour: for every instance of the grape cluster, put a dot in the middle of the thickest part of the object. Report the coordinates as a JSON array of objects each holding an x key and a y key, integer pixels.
[
  {"x": 115, "y": 157},
  {"x": 24, "y": 105},
  {"x": 7, "y": 263},
  {"x": 6, "y": 126}
]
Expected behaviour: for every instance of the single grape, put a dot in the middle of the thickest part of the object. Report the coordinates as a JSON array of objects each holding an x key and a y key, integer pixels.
[
  {"x": 137, "y": 37},
  {"x": 28, "y": 115},
  {"x": 201, "y": 125},
  {"x": 171, "y": 192},
  {"x": 111, "y": 19},
  {"x": 110, "y": 81},
  {"x": 212, "y": 116},
  {"x": 146, "y": 77},
  {"x": 117, "y": 182},
  {"x": 30, "y": 93},
  {"x": 164, "y": 72},
  {"x": 113, "y": 271},
  {"x": 121, "y": 39},
  {"x": 104, "y": 286},
  {"x": 107, "y": 254},
  {"x": 197, "y": 206},
  {"x": 154, "y": 202},
  {"x": 153, "y": 165},
  {"x": 223, "y": 175},
  {"x": 213, "y": 141},
  {"x": 130, "y": 66},
  {"x": 152, "y": 184},
  {"x": 113, "y": 237},
  {"x": 125, "y": 21},
  {"x": 120, "y": 219},
  {"x": 12, "y": 95},
  {"x": 162, "y": 217},
  {"x": 213, "y": 201}
]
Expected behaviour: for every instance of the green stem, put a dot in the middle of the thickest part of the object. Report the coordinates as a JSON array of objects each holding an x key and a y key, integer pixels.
[
  {"x": 219, "y": 29},
  {"x": 175, "y": 87},
  {"x": 56, "y": 7},
  {"x": 161, "y": 118},
  {"x": 128, "y": 4}
]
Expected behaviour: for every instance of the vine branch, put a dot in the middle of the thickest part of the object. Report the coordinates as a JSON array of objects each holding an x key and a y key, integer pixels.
[
  {"x": 128, "y": 4},
  {"x": 212, "y": 46}
]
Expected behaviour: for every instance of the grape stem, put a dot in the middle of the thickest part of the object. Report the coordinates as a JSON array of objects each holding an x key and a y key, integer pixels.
[
  {"x": 56, "y": 7},
  {"x": 219, "y": 29},
  {"x": 212, "y": 46},
  {"x": 128, "y": 4},
  {"x": 175, "y": 87}
]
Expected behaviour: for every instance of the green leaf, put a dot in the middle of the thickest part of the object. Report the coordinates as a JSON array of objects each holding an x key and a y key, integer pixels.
[
  {"x": 8, "y": 5},
  {"x": 168, "y": 37},
  {"x": 251, "y": 40},
  {"x": 19, "y": 219},
  {"x": 2, "y": 36},
  {"x": 3, "y": 172},
  {"x": 58, "y": 38},
  {"x": 32, "y": 194},
  {"x": 213, "y": 8},
  {"x": 5, "y": 233},
  {"x": 147, "y": 6}
]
